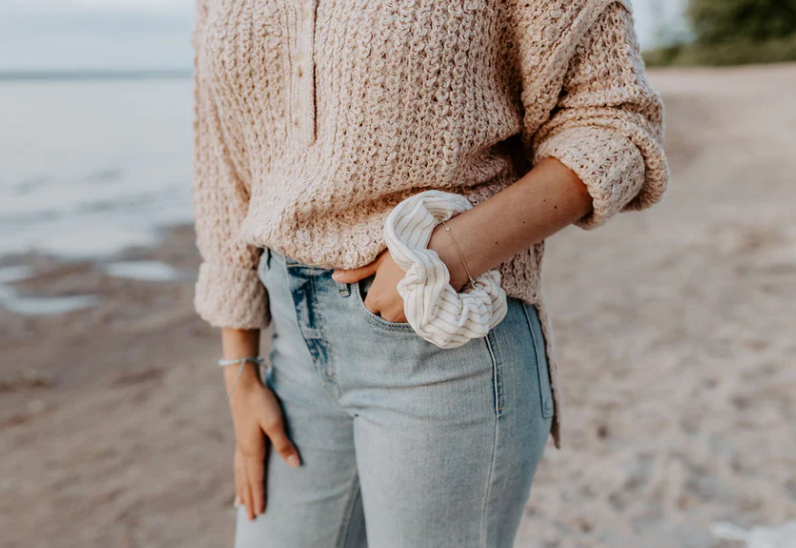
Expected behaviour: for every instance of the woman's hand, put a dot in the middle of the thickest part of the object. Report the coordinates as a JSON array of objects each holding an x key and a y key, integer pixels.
[
  {"x": 257, "y": 419},
  {"x": 383, "y": 297},
  {"x": 546, "y": 199}
]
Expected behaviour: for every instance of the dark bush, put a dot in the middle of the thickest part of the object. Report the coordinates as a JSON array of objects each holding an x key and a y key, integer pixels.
[
  {"x": 734, "y": 32},
  {"x": 723, "y": 21}
]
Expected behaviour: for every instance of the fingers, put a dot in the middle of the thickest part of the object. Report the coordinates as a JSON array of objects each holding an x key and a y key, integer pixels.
[
  {"x": 255, "y": 469},
  {"x": 249, "y": 476},
  {"x": 397, "y": 316},
  {"x": 240, "y": 478},
  {"x": 389, "y": 306},
  {"x": 355, "y": 274},
  {"x": 242, "y": 488},
  {"x": 258, "y": 419},
  {"x": 247, "y": 501},
  {"x": 390, "y": 310},
  {"x": 250, "y": 467},
  {"x": 275, "y": 430}
]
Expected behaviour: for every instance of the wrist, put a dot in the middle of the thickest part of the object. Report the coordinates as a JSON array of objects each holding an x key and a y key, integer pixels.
[
  {"x": 243, "y": 378},
  {"x": 442, "y": 244}
]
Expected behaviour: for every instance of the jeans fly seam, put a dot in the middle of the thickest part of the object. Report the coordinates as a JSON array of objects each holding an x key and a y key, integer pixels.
[
  {"x": 319, "y": 325},
  {"x": 496, "y": 386},
  {"x": 345, "y": 526},
  {"x": 541, "y": 362},
  {"x": 488, "y": 489}
]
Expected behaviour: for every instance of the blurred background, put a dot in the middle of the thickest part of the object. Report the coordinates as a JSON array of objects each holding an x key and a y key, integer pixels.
[{"x": 675, "y": 327}]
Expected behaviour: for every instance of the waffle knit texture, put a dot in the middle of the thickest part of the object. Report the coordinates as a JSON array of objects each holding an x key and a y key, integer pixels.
[
  {"x": 434, "y": 309},
  {"x": 314, "y": 118}
]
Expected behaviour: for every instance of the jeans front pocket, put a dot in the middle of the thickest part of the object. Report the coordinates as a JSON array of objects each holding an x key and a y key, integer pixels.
[
  {"x": 540, "y": 348},
  {"x": 361, "y": 291}
]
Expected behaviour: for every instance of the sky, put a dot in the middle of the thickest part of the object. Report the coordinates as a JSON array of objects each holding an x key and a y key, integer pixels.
[
  {"x": 151, "y": 34},
  {"x": 95, "y": 34}
]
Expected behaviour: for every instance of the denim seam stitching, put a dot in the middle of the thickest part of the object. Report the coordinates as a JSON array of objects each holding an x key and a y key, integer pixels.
[
  {"x": 539, "y": 364},
  {"x": 498, "y": 393},
  {"x": 488, "y": 490},
  {"x": 318, "y": 324},
  {"x": 497, "y": 384},
  {"x": 345, "y": 525},
  {"x": 287, "y": 274}
]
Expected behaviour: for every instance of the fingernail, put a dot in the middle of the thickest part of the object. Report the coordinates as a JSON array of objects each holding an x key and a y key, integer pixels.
[
  {"x": 293, "y": 461},
  {"x": 336, "y": 275},
  {"x": 237, "y": 502}
]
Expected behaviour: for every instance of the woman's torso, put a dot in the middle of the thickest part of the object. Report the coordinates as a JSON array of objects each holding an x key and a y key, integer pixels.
[{"x": 338, "y": 110}]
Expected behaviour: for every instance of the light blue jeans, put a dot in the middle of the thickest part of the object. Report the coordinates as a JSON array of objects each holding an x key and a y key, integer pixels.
[{"x": 403, "y": 444}]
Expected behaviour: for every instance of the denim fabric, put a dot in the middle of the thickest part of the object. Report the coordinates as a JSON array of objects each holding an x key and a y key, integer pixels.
[{"x": 403, "y": 444}]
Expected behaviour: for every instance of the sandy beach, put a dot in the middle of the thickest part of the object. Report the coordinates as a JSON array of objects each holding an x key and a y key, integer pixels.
[{"x": 675, "y": 330}]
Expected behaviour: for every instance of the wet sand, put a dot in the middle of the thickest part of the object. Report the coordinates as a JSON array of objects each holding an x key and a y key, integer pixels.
[{"x": 675, "y": 329}]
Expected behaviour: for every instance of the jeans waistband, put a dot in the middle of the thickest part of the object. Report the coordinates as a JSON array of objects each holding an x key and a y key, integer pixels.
[{"x": 286, "y": 260}]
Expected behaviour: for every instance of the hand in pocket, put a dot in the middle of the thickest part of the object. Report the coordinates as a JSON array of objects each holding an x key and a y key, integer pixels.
[{"x": 382, "y": 297}]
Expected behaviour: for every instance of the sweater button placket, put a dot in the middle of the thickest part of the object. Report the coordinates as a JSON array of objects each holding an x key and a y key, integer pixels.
[{"x": 304, "y": 73}]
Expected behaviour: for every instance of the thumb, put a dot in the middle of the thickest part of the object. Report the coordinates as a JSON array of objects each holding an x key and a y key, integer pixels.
[{"x": 354, "y": 274}]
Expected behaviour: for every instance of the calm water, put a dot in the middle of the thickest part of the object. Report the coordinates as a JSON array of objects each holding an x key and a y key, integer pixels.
[{"x": 90, "y": 167}]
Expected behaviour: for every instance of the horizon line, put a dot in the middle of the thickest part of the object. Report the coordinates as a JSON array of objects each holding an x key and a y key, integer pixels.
[{"x": 30, "y": 75}]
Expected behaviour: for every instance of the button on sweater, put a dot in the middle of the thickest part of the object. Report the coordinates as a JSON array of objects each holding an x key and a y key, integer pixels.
[{"x": 313, "y": 119}]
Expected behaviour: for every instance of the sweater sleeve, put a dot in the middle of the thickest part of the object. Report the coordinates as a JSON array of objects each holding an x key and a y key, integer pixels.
[
  {"x": 607, "y": 125},
  {"x": 228, "y": 292}
]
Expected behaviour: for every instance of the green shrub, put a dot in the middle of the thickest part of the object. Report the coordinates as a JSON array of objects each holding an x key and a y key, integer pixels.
[
  {"x": 739, "y": 52},
  {"x": 734, "y": 32},
  {"x": 724, "y": 21}
]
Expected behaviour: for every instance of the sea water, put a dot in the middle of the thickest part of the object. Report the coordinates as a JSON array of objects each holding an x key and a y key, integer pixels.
[{"x": 90, "y": 167}]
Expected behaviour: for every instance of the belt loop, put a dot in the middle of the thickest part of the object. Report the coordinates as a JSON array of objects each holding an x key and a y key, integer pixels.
[{"x": 344, "y": 289}]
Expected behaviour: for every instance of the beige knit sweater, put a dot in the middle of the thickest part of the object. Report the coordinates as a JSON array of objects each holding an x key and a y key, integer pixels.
[{"x": 315, "y": 117}]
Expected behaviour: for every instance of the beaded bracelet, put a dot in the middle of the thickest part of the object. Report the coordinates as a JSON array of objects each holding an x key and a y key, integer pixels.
[{"x": 257, "y": 360}]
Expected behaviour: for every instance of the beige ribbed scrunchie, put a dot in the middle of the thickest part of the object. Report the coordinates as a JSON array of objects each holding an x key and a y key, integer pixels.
[{"x": 432, "y": 307}]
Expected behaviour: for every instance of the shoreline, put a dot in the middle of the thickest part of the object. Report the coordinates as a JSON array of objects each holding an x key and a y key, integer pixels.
[{"x": 125, "y": 308}]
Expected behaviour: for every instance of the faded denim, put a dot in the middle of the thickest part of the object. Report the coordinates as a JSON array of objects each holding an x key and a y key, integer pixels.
[{"x": 403, "y": 444}]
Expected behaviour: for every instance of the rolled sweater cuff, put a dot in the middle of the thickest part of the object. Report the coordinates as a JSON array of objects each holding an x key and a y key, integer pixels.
[
  {"x": 231, "y": 297},
  {"x": 610, "y": 165}
]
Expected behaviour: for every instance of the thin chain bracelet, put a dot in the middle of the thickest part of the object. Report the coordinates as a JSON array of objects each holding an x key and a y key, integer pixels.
[
  {"x": 256, "y": 360},
  {"x": 470, "y": 280}
]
